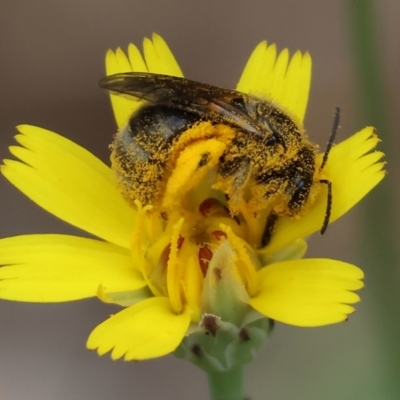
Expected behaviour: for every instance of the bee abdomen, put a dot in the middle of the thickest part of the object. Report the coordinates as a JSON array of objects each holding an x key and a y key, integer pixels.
[
  {"x": 155, "y": 123},
  {"x": 142, "y": 148}
]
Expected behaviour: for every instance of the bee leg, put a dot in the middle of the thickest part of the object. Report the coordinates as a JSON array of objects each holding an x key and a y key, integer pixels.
[
  {"x": 238, "y": 178},
  {"x": 269, "y": 228},
  {"x": 233, "y": 166},
  {"x": 242, "y": 173},
  {"x": 328, "y": 205}
]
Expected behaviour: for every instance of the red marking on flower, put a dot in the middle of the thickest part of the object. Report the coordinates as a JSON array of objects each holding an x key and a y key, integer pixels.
[
  {"x": 210, "y": 324},
  {"x": 219, "y": 235},
  {"x": 167, "y": 251},
  {"x": 165, "y": 256},
  {"x": 197, "y": 351},
  {"x": 181, "y": 239},
  {"x": 244, "y": 335},
  {"x": 205, "y": 256},
  {"x": 207, "y": 205},
  {"x": 218, "y": 273}
]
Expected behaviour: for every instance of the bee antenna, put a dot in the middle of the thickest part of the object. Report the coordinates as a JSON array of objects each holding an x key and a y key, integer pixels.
[
  {"x": 335, "y": 127},
  {"x": 328, "y": 205}
]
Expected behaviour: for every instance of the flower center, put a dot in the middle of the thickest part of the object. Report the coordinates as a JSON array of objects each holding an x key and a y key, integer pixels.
[{"x": 183, "y": 251}]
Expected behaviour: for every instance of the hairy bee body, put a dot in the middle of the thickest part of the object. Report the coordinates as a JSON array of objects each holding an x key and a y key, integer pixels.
[
  {"x": 267, "y": 151},
  {"x": 142, "y": 149}
]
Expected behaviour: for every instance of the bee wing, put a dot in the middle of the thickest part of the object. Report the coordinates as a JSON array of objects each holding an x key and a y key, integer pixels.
[
  {"x": 224, "y": 104},
  {"x": 164, "y": 89}
]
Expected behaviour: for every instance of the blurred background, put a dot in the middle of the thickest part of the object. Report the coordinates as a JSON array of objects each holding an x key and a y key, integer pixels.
[{"x": 52, "y": 55}]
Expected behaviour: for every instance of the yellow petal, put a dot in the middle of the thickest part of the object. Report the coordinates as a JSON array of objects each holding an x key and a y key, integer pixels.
[
  {"x": 52, "y": 268},
  {"x": 295, "y": 87},
  {"x": 159, "y": 60},
  {"x": 353, "y": 170},
  {"x": 279, "y": 79},
  {"x": 69, "y": 182},
  {"x": 258, "y": 69},
  {"x": 136, "y": 60},
  {"x": 145, "y": 330},
  {"x": 310, "y": 292},
  {"x": 117, "y": 62}
]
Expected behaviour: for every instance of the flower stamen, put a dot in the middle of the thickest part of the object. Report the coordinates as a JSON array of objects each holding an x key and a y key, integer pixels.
[
  {"x": 139, "y": 244},
  {"x": 174, "y": 267},
  {"x": 246, "y": 265}
]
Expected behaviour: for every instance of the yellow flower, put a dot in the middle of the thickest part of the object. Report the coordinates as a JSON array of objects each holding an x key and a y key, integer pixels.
[{"x": 170, "y": 271}]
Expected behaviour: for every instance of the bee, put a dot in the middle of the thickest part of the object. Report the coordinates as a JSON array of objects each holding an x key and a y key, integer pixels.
[{"x": 267, "y": 155}]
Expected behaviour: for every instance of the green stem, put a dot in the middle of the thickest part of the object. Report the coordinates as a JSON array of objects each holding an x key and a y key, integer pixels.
[
  {"x": 226, "y": 385},
  {"x": 380, "y": 234}
]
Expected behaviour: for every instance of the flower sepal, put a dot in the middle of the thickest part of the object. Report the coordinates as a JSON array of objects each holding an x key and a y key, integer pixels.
[
  {"x": 224, "y": 294},
  {"x": 294, "y": 251},
  {"x": 220, "y": 346}
]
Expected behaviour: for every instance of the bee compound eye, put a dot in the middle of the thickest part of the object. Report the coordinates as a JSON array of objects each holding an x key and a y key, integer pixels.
[
  {"x": 298, "y": 191},
  {"x": 299, "y": 182}
]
